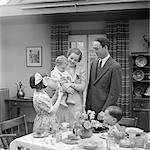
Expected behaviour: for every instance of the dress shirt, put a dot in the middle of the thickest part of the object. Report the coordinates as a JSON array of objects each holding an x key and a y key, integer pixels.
[{"x": 104, "y": 60}]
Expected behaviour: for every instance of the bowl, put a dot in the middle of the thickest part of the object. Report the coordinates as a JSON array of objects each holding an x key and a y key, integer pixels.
[
  {"x": 140, "y": 61},
  {"x": 138, "y": 75}
]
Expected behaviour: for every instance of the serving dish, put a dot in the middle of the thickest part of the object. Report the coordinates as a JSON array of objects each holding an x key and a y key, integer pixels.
[
  {"x": 133, "y": 130},
  {"x": 138, "y": 75},
  {"x": 140, "y": 61}
]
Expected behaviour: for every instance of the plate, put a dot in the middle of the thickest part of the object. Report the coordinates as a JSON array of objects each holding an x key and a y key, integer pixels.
[
  {"x": 140, "y": 61},
  {"x": 134, "y": 130},
  {"x": 41, "y": 135},
  {"x": 103, "y": 135},
  {"x": 139, "y": 91},
  {"x": 88, "y": 144},
  {"x": 70, "y": 141},
  {"x": 138, "y": 75}
]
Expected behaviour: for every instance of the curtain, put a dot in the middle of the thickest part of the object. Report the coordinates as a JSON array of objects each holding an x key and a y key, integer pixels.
[
  {"x": 59, "y": 41},
  {"x": 118, "y": 34}
]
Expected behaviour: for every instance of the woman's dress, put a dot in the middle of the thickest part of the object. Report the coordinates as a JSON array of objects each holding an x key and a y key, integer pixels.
[
  {"x": 43, "y": 107},
  {"x": 67, "y": 114}
]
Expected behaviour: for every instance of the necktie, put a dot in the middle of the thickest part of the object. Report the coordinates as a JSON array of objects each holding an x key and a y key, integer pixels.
[
  {"x": 100, "y": 64},
  {"x": 98, "y": 67}
]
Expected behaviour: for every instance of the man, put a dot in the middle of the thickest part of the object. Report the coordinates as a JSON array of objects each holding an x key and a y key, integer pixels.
[{"x": 105, "y": 79}]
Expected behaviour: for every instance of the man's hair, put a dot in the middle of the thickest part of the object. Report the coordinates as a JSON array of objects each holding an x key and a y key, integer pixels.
[
  {"x": 115, "y": 112},
  {"x": 60, "y": 60},
  {"x": 104, "y": 41}
]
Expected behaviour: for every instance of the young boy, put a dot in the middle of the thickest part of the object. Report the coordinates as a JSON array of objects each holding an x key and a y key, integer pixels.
[
  {"x": 59, "y": 74},
  {"x": 112, "y": 116}
]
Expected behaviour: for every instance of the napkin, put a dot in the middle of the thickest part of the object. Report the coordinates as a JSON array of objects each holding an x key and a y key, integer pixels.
[{"x": 60, "y": 146}]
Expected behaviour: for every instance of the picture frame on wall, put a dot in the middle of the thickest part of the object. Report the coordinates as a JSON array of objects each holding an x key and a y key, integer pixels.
[{"x": 34, "y": 56}]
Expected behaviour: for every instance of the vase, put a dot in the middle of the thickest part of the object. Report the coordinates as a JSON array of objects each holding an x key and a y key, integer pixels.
[{"x": 85, "y": 133}]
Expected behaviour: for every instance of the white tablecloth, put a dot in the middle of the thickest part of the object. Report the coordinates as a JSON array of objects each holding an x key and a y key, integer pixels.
[{"x": 28, "y": 142}]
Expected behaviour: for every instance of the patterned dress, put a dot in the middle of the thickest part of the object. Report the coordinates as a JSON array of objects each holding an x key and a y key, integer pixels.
[
  {"x": 43, "y": 107},
  {"x": 65, "y": 114}
]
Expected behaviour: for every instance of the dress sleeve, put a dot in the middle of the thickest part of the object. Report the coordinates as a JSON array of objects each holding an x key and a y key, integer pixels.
[
  {"x": 44, "y": 105},
  {"x": 83, "y": 75}
]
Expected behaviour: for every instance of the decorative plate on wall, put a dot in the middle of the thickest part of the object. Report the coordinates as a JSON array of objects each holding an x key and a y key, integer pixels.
[
  {"x": 140, "y": 61},
  {"x": 138, "y": 91},
  {"x": 138, "y": 75}
]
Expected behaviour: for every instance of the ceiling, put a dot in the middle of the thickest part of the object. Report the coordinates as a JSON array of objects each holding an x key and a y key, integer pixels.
[{"x": 80, "y": 17}]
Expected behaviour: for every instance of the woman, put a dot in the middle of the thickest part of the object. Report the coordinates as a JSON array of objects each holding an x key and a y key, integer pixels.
[
  {"x": 78, "y": 77},
  {"x": 42, "y": 103}
]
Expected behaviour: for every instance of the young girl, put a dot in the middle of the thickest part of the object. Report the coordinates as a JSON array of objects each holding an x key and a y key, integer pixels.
[{"x": 42, "y": 103}]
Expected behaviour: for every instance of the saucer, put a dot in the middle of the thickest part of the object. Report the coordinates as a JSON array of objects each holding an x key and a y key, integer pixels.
[
  {"x": 140, "y": 61},
  {"x": 138, "y": 75}
]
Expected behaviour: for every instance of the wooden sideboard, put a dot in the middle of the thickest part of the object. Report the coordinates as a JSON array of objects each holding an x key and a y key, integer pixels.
[{"x": 19, "y": 106}]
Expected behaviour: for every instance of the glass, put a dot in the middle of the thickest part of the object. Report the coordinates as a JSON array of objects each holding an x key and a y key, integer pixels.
[{"x": 110, "y": 144}]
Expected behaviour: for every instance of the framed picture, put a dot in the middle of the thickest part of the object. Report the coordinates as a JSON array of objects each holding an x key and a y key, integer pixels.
[{"x": 34, "y": 56}]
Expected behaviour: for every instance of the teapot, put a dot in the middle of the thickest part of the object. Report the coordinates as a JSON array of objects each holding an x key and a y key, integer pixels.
[{"x": 20, "y": 92}]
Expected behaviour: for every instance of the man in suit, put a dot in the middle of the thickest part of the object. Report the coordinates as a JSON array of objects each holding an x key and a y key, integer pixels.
[{"x": 105, "y": 79}]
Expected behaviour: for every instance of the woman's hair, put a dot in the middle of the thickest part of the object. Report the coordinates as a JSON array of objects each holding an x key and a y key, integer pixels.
[
  {"x": 103, "y": 41},
  {"x": 38, "y": 86},
  {"x": 76, "y": 51},
  {"x": 115, "y": 112}
]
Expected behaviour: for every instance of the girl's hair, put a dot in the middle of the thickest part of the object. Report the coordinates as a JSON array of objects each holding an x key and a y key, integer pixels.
[
  {"x": 76, "y": 51},
  {"x": 39, "y": 86},
  {"x": 115, "y": 112},
  {"x": 103, "y": 41}
]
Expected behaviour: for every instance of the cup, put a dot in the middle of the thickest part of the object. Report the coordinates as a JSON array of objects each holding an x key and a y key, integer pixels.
[
  {"x": 139, "y": 142},
  {"x": 110, "y": 144}
]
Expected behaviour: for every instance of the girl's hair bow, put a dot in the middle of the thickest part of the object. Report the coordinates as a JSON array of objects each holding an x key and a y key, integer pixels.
[{"x": 38, "y": 78}]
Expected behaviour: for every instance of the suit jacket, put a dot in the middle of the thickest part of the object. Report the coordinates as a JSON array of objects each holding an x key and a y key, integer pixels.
[{"x": 103, "y": 90}]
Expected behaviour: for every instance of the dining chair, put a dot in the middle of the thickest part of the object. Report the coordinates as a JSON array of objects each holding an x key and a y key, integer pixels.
[
  {"x": 129, "y": 122},
  {"x": 11, "y": 129}
]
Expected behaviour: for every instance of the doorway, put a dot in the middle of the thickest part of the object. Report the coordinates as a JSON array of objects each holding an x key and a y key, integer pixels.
[{"x": 84, "y": 43}]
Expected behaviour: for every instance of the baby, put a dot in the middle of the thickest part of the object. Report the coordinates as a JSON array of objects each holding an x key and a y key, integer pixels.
[
  {"x": 112, "y": 116},
  {"x": 59, "y": 74}
]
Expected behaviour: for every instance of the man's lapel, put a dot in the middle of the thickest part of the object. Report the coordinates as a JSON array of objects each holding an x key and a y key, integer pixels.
[{"x": 103, "y": 70}]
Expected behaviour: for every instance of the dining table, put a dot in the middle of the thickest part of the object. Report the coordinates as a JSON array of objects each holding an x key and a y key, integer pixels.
[{"x": 29, "y": 142}]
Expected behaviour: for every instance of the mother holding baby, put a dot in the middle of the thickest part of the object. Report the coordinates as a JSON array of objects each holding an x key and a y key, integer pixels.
[{"x": 78, "y": 78}]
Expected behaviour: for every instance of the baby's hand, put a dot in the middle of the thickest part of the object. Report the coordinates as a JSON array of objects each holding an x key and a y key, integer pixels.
[
  {"x": 101, "y": 115},
  {"x": 60, "y": 90}
]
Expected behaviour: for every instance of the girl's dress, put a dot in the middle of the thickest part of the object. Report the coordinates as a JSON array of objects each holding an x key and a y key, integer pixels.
[
  {"x": 67, "y": 114},
  {"x": 43, "y": 107}
]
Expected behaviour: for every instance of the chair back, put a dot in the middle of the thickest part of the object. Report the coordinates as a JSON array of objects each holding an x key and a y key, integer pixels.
[
  {"x": 129, "y": 122},
  {"x": 11, "y": 129}
]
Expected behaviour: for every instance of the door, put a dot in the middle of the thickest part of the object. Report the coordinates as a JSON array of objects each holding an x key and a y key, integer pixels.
[
  {"x": 80, "y": 42},
  {"x": 84, "y": 43}
]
